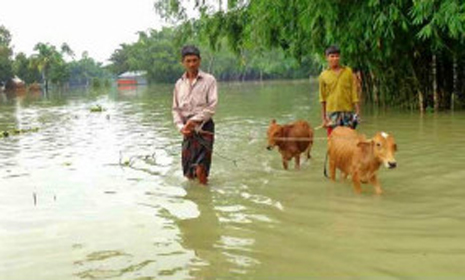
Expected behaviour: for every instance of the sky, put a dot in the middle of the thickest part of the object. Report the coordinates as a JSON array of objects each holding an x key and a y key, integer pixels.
[{"x": 95, "y": 26}]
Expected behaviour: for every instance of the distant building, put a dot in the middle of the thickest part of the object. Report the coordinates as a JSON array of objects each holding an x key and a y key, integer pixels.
[
  {"x": 15, "y": 84},
  {"x": 132, "y": 78}
]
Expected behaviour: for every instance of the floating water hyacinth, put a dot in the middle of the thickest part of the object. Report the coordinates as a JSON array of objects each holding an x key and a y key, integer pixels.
[
  {"x": 97, "y": 108},
  {"x": 17, "y": 131}
]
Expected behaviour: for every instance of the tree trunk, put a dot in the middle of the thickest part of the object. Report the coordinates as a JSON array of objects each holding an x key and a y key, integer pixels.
[
  {"x": 44, "y": 79},
  {"x": 454, "y": 83},
  {"x": 435, "y": 83},
  {"x": 421, "y": 102},
  {"x": 210, "y": 65},
  {"x": 375, "y": 89}
]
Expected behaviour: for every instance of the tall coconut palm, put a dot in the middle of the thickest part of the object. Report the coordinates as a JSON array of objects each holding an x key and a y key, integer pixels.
[
  {"x": 65, "y": 49},
  {"x": 47, "y": 57},
  {"x": 43, "y": 60}
]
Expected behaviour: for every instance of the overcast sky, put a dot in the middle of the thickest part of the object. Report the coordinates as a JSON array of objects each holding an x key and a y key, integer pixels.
[{"x": 96, "y": 26}]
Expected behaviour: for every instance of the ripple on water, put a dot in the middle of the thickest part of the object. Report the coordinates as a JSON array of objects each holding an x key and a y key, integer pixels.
[{"x": 98, "y": 218}]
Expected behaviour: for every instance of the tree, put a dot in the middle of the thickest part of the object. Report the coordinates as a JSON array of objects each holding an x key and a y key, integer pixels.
[
  {"x": 50, "y": 63},
  {"x": 119, "y": 60},
  {"x": 23, "y": 68},
  {"x": 406, "y": 48},
  {"x": 155, "y": 52},
  {"x": 86, "y": 69},
  {"x": 158, "y": 53},
  {"x": 5, "y": 54}
]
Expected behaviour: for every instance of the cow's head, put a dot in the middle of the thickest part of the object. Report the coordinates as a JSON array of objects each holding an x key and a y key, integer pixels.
[
  {"x": 384, "y": 146},
  {"x": 273, "y": 133}
]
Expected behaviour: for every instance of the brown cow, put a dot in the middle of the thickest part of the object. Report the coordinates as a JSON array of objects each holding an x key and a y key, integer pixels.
[
  {"x": 354, "y": 155},
  {"x": 291, "y": 139}
]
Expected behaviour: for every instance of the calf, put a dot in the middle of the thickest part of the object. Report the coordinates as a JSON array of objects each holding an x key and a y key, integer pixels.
[
  {"x": 291, "y": 139},
  {"x": 354, "y": 155}
]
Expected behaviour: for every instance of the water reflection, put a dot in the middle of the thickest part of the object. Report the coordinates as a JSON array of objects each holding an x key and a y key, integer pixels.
[
  {"x": 104, "y": 263},
  {"x": 202, "y": 234}
]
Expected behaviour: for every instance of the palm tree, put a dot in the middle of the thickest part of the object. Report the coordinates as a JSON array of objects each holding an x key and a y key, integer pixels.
[
  {"x": 47, "y": 57},
  {"x": 43, "y": 60},
  {"x": 65, "y": 49}
]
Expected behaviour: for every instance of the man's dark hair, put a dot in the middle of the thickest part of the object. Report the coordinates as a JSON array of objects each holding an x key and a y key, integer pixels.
[
  {"x": 190, "y": 50},
  {"x": 332, "y": 50}
]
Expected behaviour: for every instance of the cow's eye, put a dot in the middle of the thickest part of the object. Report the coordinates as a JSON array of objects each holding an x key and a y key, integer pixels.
[{"x": 378, "y": 144}]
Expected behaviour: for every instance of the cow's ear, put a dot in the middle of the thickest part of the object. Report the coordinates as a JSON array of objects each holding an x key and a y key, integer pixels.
[{"x": 273, "y": 121}]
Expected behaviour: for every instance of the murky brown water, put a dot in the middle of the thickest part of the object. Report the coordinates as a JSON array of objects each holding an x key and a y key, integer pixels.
[{"x": 72, "y": 208}]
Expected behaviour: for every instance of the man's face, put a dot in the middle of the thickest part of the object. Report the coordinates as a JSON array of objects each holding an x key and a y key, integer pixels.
[
  {"x": 333, "y": 60},
  {"x": 191, "y": 63}
]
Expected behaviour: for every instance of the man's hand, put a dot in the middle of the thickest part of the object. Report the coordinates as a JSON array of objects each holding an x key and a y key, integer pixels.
[
  {"x": 326, "y": 122},
  {"x": 186, "y": 132},
  {"x": 189, "y": 128}
]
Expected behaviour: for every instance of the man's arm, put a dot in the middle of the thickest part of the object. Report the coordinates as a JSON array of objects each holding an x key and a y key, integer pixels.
[
  {"x": 175, "y": 110},
  {"x": 324, "y": 118},
  {"x": 322, "y": 98}
]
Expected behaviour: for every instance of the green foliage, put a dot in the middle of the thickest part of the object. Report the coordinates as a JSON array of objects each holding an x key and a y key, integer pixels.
[
  {"x": 23, "y": 68},
  {"x": 84, "y": 70},
  {"x": 154, "y": 52},
  {"x": 96, "y": 83},
  {"x": 5, "y": 36},
  {"x": 157, "y": 53},
  {"x": 96, "y": 109},
  {"x": 5, "y": 54},
  {"x": 393, "y": 42},
  {"x": 119, "y": 59},
  {"x": 17, "y": 131},
  {"x": 48, "y": 65},
  {"x": 49, "y": 61}
]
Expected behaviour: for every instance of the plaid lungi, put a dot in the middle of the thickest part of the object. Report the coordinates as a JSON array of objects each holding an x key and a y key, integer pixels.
[
  {"x": 197, "y": 150},
  {"x": 348, "y": 119}
]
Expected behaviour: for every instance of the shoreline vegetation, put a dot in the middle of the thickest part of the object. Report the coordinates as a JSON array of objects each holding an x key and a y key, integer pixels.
[{"x": 407, "y": 54}]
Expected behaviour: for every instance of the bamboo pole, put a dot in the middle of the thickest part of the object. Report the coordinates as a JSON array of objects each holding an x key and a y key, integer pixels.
[
  {"x": 435, "y": 83},
  {"x": 454, "y": 83}
]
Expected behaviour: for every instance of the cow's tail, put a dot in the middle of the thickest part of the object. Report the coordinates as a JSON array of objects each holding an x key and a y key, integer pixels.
[
  {"x": 310, "y": 144},
  {"x": 325, "y": 172}
]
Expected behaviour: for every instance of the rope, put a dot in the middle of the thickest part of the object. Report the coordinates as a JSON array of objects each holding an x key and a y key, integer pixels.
[
  {"x": 305, "y": 139},
  {"x": 205, "y": 145}
]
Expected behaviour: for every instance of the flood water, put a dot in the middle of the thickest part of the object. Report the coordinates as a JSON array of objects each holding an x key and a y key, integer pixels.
[{"x": 100, "y": 195}]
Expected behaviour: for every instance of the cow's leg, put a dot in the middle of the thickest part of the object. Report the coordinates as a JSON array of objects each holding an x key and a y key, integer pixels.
[
  {"x": 307, "y": 151},
  {"x": 332, "y": 170},
  {"x": 374, "y": 180},
  {"x": 344, "y": 176},
  {"x": 297, "y": 162},
  {"x": 356, "y": 182},
  {"x": 285, "y": 165}
]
